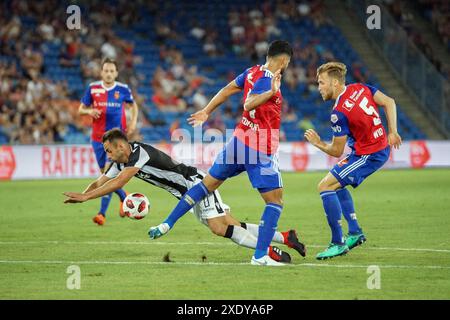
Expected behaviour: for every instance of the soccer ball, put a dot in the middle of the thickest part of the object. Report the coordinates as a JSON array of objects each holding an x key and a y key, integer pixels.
[{"x": 136, "y": 206}]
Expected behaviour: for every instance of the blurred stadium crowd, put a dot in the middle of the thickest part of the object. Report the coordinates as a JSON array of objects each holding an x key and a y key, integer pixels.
[
  {"x": 438, "y": 13},
  {"x": 174, "y": 55}
]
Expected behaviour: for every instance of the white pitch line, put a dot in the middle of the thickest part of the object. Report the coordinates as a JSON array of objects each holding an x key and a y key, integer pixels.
[
  {"x": 195, "y": 263},
  {"x": 55, "y": 242}
]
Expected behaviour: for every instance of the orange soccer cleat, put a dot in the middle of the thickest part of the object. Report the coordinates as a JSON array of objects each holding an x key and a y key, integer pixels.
[{"x": 99, "y": 219}]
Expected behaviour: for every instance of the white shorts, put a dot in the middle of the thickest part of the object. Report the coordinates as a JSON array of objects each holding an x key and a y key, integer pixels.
[{"x": 210, "y": 207}]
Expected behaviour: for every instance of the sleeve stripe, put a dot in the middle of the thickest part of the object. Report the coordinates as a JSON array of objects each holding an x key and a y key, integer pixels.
[
  {"x": 143, "y": 158},
  {"x": 268, "y": 74}
]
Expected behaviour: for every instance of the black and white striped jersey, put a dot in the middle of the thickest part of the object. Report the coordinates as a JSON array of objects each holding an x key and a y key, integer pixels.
[{"x": 159, "y": 169}]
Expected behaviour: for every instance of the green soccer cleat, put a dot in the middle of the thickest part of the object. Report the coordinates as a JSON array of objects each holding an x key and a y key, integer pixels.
[
  {"x": 333, "y": 250},
  {"x": 354, "y": 240}
]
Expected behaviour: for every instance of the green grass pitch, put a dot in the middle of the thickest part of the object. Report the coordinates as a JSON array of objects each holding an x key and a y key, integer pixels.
[{"x": 404, "y": 213}]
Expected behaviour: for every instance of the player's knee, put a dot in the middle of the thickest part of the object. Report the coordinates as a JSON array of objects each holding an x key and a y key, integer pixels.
[
  {"x": 274, "y": 196},
  {"x": 322, "y": 186},
  {"x": 211, "y": 184},
  {"x": 278, "y": 201},
  {"x": 218, "y": 229}
]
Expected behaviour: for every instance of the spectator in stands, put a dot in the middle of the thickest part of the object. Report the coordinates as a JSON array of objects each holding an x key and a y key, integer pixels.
[{"x": 167, "y": 102}]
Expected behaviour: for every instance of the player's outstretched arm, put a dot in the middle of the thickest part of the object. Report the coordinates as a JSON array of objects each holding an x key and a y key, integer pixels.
[
  {"x": 109, "y": 186},
  {"x": 84, "y": 110},
  {"x": 335, "y": 149},
  {"x": 202, "y": 115},
  {"x": 97, "y": 183},
  {"x": 255, "y": 100},
  {"x": 390, "y": 107}
]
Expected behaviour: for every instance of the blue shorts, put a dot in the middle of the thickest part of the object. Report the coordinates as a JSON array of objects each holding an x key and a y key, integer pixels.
[
  {"x": 353, "y": 169},
  {"x": 100, "y": 153},
  {"x": 262, "y": 169}
]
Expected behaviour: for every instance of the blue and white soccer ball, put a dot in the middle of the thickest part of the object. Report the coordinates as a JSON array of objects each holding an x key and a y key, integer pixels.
[{"x": 136, "y": 206}]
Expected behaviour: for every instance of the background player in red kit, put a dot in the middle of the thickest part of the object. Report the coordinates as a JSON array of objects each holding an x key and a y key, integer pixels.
[
  {"x": 354, "y": 119},
  {"x": 104, "y": 102},
  {"x": 252, "y": 149}
]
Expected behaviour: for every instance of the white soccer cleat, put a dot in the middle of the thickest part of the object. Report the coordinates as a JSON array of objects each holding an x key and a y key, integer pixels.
[
  {"x": 158, "y": 231},
  {"x": 266, "y": 261}
]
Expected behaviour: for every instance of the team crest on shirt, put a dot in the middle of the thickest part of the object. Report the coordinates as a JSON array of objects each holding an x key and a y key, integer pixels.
[
  {"x": 116, "y": 95},
  {"x": 343, "y": 162},
  {"x": 334, "y": 118}
]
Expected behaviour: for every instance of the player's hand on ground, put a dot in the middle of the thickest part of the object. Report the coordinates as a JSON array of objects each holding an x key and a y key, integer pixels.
[
  {"x": 276, "y": 81},
  {"x": 312, "y": 136},
  {"x": 95, "y": 113},
  {"x": 394, "y": 140},
  {"x": 73, "y": 197},
  {"x": 198, "y": 118}
]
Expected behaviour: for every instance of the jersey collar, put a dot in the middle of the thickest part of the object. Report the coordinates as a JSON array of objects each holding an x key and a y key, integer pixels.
[
  {"x": 264, "y": 68},
  {"x": 109, "y": 89},
  {"x": 337, "y": 99}
]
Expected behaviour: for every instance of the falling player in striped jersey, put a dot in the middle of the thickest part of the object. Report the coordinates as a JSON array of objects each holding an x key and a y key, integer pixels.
[
  {"x": 104, "y": 101},
  {"x": 155, "y": 167},
  {"x": 355, "y": 120},
  {"x": 254, "y": 147}
]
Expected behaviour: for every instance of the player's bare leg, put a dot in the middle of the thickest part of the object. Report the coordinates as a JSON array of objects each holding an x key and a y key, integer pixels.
[
  {"x": 211, "y": 183},
  {"x": 329, "y": 183}
]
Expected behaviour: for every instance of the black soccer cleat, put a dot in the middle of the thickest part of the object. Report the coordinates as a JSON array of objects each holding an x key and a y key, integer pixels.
[
  {"x": 279, "y": 255},
  {"x": 291, "y": 240}
]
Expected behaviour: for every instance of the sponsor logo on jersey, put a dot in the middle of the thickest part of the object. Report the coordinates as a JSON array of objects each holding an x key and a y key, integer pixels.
[
  {"x": 334, "y": 118},
  {"x": 97, "y": 91},
  {"x": 336, "y": 129},
  {"x": 360, "y": 92},
  {"x": 251, "y": 125},
  {"x": 348, "y": 105},
  {"x": 109, "y": 104}
]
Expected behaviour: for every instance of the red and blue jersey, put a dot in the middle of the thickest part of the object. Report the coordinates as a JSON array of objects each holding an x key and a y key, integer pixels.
[
  {"x": 356, "y": 115},
  {"x": 259, "y": 128},
  {"x": 110, "y": 101}
]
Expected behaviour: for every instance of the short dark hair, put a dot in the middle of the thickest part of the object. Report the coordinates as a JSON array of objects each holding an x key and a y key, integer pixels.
[
  {"x": 114, "y": 135},
  {"x": 278, "y": 47},
  {"x": 109, "y": 60}
]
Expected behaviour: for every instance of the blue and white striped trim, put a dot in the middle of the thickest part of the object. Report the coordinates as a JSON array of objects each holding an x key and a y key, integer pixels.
[
  {"x": 327, "y": 193},
  {"x": 95, "y": 83},
  {"x": 203, "y": 188},
  {"x": 268, "y": 74},
  {"x": 276, "y": 167},
  {"x": 120, "y": 84},
  {"x": 353, "y": 166},
  {"x": 278, "y": 208}
]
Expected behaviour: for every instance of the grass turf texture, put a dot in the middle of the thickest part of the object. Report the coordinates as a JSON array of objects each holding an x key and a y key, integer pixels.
[{"x": 400, "y": 211}]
